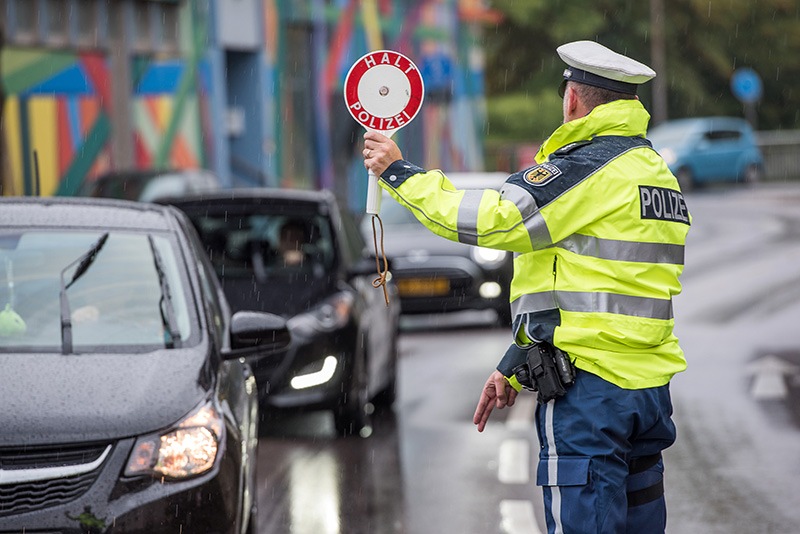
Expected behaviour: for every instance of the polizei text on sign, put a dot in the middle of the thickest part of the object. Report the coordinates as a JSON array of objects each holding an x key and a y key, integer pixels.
[{"x": 379, "y": 123}]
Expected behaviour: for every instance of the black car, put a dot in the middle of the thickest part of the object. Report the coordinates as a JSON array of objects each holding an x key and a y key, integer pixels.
[
  {"x": 297, "y": 254},
  {"x": 127, "y": 405},
  {"x": 435, "y": 275},
  {"x": 150, "y": 185}
]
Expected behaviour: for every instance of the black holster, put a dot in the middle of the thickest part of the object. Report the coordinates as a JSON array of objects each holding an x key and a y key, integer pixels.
[{"x": 547, "y": 370}]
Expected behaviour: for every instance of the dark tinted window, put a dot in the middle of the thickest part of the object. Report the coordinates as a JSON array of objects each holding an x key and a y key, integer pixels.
[
  {"x": 723, "y": 135},
  {"x": 354, "y": 242},
  {"x": 147, "y": 186},
  {"x": 209, "y": 283},
  {"x": 267, "y": 244}
]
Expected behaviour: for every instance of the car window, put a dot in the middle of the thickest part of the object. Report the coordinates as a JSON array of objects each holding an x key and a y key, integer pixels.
[
  {"x": 124, "y": 187},
  {"x": 113, "y": 301},
  {"x": 209, "y": 284},
  {"x": 171, "y": 185},
  {"x": 150, "y": 186},
  {"x": 164, "y": 186},
  {"x": 723, "y": 135},
  {"x": 269, "y": 245},
  {"x": 354, "y": 241}
]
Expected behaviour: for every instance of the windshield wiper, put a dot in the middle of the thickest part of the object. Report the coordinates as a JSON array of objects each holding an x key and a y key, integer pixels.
[
  {"x": 168, "y": 320},
  {"x": 84, "y": 262}
]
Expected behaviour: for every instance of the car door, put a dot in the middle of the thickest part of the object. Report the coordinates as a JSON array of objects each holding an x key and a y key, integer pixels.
[
  {"x": 718, "y": 153},
  {"x": 236, "y": 385}
]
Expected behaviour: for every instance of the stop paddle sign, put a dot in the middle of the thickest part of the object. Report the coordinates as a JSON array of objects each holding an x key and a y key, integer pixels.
[{"x": 383, "y": 91}]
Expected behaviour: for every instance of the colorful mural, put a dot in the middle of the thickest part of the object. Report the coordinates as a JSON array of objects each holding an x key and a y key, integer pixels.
[
  {"x": 59, "y": 103},
  {"x": 441, "y": 36},
  {"x": 57, "y": 107},
  {"x": 156, "y": 97},
  {"x": 59, "y": 113}
]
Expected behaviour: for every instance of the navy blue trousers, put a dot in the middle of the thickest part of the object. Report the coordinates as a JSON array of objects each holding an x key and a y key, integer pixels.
[{"x": 600, "y": 463}]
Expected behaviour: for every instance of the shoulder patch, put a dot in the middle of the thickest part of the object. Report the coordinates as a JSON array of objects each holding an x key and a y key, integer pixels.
[
  {"x": 566, "y": 149},
  {"x": 542, "y": 174}
]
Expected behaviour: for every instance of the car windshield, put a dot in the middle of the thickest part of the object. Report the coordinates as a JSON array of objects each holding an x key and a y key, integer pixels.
[
  {"x": 128, "y": 187},
  {"x": 268, "y": 245},
  {"x": 113, "y": 294}
]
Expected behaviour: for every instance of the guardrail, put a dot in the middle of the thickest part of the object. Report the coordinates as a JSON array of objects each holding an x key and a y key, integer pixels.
[{"x": 781, "y": 150}]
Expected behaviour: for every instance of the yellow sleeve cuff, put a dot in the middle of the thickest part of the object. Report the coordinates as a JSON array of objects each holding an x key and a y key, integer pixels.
[{"x": 514, "y": 383}]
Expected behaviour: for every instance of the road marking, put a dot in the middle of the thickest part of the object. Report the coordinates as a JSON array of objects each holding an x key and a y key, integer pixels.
[
  {"x": 517, "y": 516},
  {"x": 769, "y": 382},
  {"x": 514, "y": 465}
]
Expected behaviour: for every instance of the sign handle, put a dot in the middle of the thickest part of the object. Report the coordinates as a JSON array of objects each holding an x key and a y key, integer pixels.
[
  {"x": 373, "y": 194},
  {"x": 383, "y": 91}
]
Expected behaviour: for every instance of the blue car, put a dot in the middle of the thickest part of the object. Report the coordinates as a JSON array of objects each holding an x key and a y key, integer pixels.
[{"x": 709, "y": 149}]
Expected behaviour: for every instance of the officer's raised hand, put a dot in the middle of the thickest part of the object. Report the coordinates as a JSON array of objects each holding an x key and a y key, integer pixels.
[
  {"x": 497, "y": 392},
  {"x": 379, "y": 152}
]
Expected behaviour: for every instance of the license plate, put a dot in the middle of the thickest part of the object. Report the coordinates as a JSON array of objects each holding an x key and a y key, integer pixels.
[{"x": 423, "y": 287}]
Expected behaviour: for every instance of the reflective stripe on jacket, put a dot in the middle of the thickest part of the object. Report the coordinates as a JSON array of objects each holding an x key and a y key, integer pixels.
[{"x": 598, "y": 227}]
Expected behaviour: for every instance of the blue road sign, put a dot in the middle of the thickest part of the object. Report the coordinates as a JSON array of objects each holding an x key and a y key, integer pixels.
[
  {"x": 746, "y": 85},
  {"x": 437, "y": 71}
]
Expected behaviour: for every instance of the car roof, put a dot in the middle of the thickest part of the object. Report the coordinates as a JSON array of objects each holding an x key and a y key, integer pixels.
[
  {"x": 145, "y": 173},
  {"x": 83, "y": 212},
  {"x": 256, "y": 195}
]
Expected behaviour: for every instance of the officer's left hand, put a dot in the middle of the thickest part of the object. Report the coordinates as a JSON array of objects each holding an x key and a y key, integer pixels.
[{"x": 497, "y": 393}]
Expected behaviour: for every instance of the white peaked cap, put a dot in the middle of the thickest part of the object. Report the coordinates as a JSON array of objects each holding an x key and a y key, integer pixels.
[{"x": 593, "y": 64}]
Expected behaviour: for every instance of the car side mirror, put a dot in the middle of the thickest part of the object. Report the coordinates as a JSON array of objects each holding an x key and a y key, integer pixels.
[
  {"x": 257, "y": 332},
  {"x": 365, "y": 266}
]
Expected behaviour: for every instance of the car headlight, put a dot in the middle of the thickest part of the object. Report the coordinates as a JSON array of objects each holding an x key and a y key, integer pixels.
[
  {"x": 329, "y": 315},
  {"x": 487, "y": 257},
  {"x": 315, "y": 373},
  {"x": 669, "y": 155},
  {"x": 189, "y": 449}
]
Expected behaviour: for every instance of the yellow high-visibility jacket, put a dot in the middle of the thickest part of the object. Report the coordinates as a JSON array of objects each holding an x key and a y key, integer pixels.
[{"x": 598, "y": 227}]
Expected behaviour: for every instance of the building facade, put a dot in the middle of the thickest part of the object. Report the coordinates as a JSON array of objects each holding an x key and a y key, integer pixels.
[{"x": 250, "y": 89}]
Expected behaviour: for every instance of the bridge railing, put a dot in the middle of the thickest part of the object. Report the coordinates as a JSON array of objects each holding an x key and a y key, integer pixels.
[{"x": 781, "y": 150}]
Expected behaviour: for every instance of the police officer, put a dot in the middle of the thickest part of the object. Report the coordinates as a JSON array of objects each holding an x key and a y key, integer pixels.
[{"x": 598, "y": 228}]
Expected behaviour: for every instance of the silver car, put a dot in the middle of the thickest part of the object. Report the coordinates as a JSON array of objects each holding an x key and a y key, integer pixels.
[{"x": 435, "y": 275}]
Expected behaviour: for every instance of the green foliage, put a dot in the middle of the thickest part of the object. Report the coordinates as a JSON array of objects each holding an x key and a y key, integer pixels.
[
  {"x": 706, "y": 41},
  {"x": 515, "y": 116}
]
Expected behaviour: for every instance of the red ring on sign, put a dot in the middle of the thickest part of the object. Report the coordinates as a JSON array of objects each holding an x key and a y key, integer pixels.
[{"x": 393, "y": 59}]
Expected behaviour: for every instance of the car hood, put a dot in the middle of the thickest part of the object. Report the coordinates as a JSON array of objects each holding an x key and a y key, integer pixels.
[
  {"x": 405, "y": 242},
  {"x": 285, "y": 296},
  {"x": 54, "y": 398}
]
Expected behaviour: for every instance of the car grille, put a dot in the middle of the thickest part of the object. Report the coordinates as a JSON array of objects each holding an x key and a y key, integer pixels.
[{"x": 35, "y": 478}]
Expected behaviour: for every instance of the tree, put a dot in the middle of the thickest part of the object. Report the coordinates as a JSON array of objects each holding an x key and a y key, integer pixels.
[{"x": 706, "y": 40}]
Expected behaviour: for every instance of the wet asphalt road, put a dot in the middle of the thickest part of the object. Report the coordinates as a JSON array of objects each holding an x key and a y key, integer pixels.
[{"x": 734, "y": 469}]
